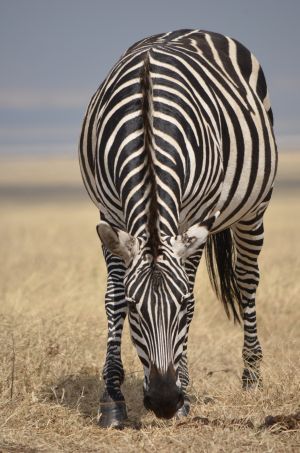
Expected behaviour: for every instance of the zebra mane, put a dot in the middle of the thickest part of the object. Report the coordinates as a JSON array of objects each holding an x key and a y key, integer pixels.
[{"x": 154, "y": 240}]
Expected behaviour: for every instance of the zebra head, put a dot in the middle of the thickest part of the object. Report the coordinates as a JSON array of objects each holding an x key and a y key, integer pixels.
[{"x": 158, "y": 293}]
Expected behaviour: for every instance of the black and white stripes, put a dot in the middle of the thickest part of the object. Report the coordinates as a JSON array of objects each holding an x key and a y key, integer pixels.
[{"x": 177, "y": 145}]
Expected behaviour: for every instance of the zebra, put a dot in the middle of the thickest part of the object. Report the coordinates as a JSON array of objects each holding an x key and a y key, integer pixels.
[{"x": 177, "y": 151}]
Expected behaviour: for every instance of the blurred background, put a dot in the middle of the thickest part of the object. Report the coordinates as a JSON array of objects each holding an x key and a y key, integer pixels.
[{"x": 55, "y": 54}]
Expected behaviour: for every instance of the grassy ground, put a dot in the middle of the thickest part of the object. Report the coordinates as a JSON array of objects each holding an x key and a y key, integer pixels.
[{"x": 53, "y": 331}]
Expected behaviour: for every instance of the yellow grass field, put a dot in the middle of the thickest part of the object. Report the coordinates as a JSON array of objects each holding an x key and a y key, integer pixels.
[{"x": 53, "y": 330}]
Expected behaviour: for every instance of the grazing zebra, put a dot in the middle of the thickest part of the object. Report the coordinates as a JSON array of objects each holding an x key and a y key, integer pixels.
[{"x": 177, "y": 152}]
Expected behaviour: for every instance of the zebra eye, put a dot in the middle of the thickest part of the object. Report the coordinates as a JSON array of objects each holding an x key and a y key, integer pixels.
[
  {"x": 132, "y": 305},
  {"x": 183, "y": 303},
  {"x": 185, "y": 299}
]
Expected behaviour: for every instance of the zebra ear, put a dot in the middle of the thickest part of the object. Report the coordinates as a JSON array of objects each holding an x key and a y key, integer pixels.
[
  {"x": 117, "y": 241},
  {"x": 190, "y": 241}
]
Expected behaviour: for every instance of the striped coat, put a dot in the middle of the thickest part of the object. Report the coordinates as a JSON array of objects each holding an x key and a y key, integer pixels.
[{"x": 177, "y": 151}]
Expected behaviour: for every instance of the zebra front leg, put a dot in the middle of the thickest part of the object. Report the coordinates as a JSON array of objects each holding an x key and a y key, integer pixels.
[
  {"x": 183, "y": 365},
  {"x": 112, "y": 404},
  {"x": 191, "y": 266},
  {"x": 248, "y": 237}
]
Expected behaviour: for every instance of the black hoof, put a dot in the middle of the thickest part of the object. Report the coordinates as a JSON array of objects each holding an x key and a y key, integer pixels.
[
  {"x": 251, "y": 379},
  {"x": 113, "y": 414},
  {"x": 184, "y": 410}
]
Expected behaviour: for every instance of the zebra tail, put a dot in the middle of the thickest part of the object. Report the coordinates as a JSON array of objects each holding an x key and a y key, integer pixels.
[{"x": 220, "y": 259}]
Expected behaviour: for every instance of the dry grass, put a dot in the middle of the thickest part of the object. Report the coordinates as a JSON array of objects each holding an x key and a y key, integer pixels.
[{"x": 53, "y": 336}]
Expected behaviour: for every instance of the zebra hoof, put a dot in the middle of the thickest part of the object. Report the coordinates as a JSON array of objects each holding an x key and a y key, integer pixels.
[
  {"x": 113, "y": 414},
  {"x": 251, "y": 380},
  {"x": 184, "y": 410}
]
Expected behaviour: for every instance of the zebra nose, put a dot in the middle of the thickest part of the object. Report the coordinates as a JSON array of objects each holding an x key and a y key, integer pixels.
[
  {"x": 163, "y": 397},
  {"x": 164, "y": 406}
]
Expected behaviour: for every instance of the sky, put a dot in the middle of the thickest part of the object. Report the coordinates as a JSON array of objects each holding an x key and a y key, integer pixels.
[{"x": 55, "y": 53}]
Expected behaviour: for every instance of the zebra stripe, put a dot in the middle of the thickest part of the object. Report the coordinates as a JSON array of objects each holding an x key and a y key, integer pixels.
[{"x": 177, "y": 144}]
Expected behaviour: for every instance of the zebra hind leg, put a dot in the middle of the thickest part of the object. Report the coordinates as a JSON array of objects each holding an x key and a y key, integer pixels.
[
  {"x": 248, "y": 237},
  {"x": 112, "y": 404}
]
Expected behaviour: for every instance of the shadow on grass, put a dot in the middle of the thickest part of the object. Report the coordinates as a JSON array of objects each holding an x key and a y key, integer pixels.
[{"x": 82, "y": 392}]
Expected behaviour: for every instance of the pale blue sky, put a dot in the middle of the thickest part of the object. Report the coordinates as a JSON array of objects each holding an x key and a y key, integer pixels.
[{"x": 54, "y": 54}]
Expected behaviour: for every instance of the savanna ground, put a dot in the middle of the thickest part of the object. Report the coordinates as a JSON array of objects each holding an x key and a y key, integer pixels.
[{"x": 53, "y": 330}]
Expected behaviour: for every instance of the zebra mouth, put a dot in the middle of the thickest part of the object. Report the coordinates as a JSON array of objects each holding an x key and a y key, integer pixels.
[{"x": 164, "y": 406}]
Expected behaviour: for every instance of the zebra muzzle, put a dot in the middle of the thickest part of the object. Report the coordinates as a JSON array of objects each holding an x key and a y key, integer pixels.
[{"x": 163, "y": 397}]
